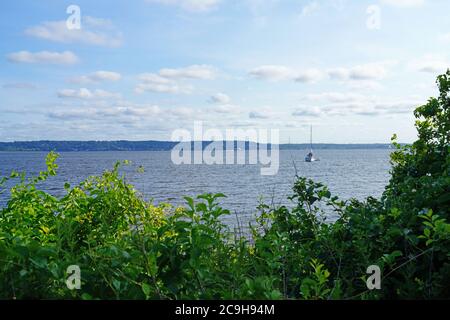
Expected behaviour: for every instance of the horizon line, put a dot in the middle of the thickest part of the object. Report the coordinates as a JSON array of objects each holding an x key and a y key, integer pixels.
[
  {"x": 203, "y": 141},
  {"x": 169, "y": 141}
]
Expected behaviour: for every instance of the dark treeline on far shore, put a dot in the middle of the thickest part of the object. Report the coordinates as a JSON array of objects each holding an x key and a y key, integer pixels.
[{"x": 66, "y": 146}]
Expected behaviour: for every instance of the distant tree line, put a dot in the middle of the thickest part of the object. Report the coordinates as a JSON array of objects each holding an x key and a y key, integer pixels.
[{"x": 123, "y": 145}]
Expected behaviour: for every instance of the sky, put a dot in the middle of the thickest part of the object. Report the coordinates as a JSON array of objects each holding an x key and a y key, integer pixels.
[{"x": 139, "y": 70}]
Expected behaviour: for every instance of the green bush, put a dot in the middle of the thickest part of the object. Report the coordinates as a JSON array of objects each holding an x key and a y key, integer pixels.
[{"x": 127, "y": 248}]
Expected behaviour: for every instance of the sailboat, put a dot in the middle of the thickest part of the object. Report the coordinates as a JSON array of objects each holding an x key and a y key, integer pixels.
[{"x": 310, "y": 156}]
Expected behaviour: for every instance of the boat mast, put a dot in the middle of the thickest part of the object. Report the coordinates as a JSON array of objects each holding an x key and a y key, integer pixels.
[{"x": 310, "y": 142}]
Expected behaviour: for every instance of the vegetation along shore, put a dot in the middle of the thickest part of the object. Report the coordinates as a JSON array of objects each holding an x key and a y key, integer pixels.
[{"x": 127, "y": 248}]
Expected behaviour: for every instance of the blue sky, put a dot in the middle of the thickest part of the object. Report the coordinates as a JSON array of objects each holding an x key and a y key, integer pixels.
[{"x": 141, "y": 69}]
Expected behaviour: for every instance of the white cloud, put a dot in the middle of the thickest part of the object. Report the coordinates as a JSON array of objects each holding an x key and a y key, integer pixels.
[
  {"x": 373, "y": 107},
  {"x": 372, "y": 71},
  {"x": 262, "y": 113},
  {"x": 92, "y": 32},
  {"x": 307, "y": 112},
  {"x": 149, "y": 111},
  {"x": 357, "y": 78},
  {"x": 151, "y": 82},
  {"x": 103, "y": 94},
  {"x": 84, "y": 93},
  {"x": 273, "y": 73},
  {"x": 308, "y": 76},
  {"x": 167, "y": 80},
  {"x": 121, "y": 112},
  {"x": 345, "y": 108},
  {"x": 369, "y": 71},
  {"x": 154, "y": 78},
  {"x": 220, "y": 98},
  {"x": 398, "y": 107},
  {"x": 339, "y": 73},
  {"x": 203, "y": 72},
  {"x": 171, "y": 88},
  {"x": 156, "y": 83},
  {"x": 350, "y": 103},
  {"x": 76, "y": 114},
  {"x": 96, "y": 77},
  {"x": 279, "y": 73},
  {"x": 190, "y": 5},
  {"x": 258, "y": 115},
  {"x": 66, "y": 57},
  {"x": 431, "y": 64},
  {"x": 403, "y": 3}
]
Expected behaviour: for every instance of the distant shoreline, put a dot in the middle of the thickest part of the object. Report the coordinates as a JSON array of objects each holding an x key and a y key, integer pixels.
[{"x": 79, "y": 146}]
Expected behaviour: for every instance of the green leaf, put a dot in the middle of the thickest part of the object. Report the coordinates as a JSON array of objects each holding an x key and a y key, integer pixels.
[{"x": 146, "y": 289}]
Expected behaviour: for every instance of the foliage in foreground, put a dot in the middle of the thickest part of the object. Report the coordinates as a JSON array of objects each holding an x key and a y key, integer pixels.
[{"x": 127, "y": 248}]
